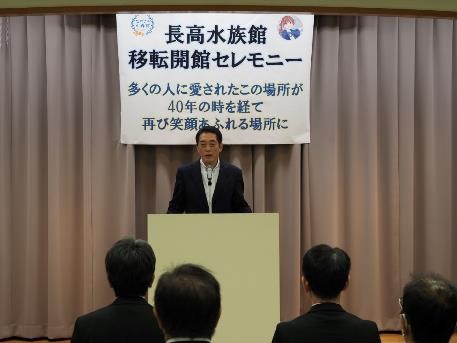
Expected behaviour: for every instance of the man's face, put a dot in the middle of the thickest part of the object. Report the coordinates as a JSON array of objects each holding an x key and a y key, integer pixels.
[{"x": 209, "y": 148}]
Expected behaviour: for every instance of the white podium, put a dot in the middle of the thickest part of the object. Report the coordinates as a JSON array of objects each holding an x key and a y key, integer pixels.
[{"x": 242, "y": 251}]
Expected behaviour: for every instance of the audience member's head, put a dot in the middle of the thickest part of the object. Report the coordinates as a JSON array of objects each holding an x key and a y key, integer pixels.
[
  {"x": 325, "y": 271},
  {"x": 187, "y": 302},
  {"x": 429, "y": 305},
  {"x": 130, "y": 265}
]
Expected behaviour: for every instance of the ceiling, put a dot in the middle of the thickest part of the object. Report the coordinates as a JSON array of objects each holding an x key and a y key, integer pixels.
[{"x": 424, "y": 7}]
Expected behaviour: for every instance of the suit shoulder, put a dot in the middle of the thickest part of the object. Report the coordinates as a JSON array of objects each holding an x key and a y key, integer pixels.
[
  {"x": 363, "y": 325},
  {"x": 231, "y": 167},
  {"x": 297, "y": 327},
  {"x": 298, "y": 321},
  {"x": 189, "y": 166},
  {"x": 95, "y": 315},
  {"x": 360, "y": 320}
]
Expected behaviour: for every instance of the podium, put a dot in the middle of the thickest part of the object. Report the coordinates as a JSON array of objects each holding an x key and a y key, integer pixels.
[{"x": 242, "y": 251}]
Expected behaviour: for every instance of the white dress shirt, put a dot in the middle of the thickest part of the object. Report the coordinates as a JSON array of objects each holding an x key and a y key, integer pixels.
[{"x": 209, "y": 177}]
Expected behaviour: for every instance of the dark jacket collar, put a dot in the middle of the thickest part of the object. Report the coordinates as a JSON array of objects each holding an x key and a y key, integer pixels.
[
  {"x": 326, "y": 307},
  {"x": 129, "y": 300}
]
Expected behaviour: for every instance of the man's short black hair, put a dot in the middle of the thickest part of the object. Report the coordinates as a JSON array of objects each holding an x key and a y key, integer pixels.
[
  {"x": 430, "y": 306},
  {"x": 188, "y": 302},
  {"x": 209, "y": 129},
  {"x": 130, "y": 265},
  {"x": 326, "y": 269}
]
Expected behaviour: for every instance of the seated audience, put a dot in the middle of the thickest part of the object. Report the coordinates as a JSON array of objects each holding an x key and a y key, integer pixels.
[
  {"x": 325, "y": 276},
  {"x": 429, "y": 309},
  {"x": 130, "y": 266},
  {"x": 188, "y": 304}
]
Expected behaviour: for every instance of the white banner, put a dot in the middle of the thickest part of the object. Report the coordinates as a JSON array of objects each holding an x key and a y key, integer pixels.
[{"x": 248, "y": 74}]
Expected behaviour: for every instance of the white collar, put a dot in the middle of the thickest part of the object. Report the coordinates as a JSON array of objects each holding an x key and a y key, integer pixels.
[{"x": 205, "y": 167}]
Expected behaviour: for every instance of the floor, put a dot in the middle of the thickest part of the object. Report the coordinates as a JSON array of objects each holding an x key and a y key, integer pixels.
[
  {"x": 385, "y": 338},
  {"x": 396, "y": 338}
]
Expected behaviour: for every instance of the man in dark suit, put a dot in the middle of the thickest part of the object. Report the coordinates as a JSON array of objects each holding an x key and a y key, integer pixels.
[
  {"x": 130, "y": 266},
  {"x": 188, "y": 304},
  {"x": 209, "y": 185},
  {"x": 428, "y": 309},
  {"x": 325, "y": 276}
]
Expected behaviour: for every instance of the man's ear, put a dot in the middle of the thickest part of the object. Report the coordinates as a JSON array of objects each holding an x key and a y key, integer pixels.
[
  {"x": 221, "y": 146},
  {"x": 305, "y": 284},
  {"x": 404, "y": 325},
  {"x": 219, "y": 316},
  {"x": 347, "y": 282},
  {"x": 159, "y": 322}
]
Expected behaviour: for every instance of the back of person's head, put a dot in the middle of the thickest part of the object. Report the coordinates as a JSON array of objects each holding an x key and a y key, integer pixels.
[
  {"x": 326, "y": 270},
  {"x": 429, "y": 304},
  {"x": 209, "y": 129},
  {"x": 188, "y": 302},
  {"x": 130, "y": 265}
]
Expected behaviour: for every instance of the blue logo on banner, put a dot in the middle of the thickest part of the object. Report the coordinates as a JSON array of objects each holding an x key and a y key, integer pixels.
[{"x": 142, "y": 25}]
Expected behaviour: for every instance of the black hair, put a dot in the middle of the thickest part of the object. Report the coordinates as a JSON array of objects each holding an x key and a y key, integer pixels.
[
  {"x": 326, "y": 269},
  {"x": 429, "y": 303},
  {"x": 188, "y": 302},
  {"x": 130, "y": 266},
  {"x": 209, "y": 129}
]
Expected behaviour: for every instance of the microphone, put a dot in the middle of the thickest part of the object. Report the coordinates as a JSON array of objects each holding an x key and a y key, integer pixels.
[{"x": 209, "y": 176}]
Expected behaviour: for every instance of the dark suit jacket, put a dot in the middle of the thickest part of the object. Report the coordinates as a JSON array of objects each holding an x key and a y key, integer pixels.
[
  {"x": 327, "y": 323},
  {"x": 126, "y": 320},
  {"x": 189, "y": 193}
]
